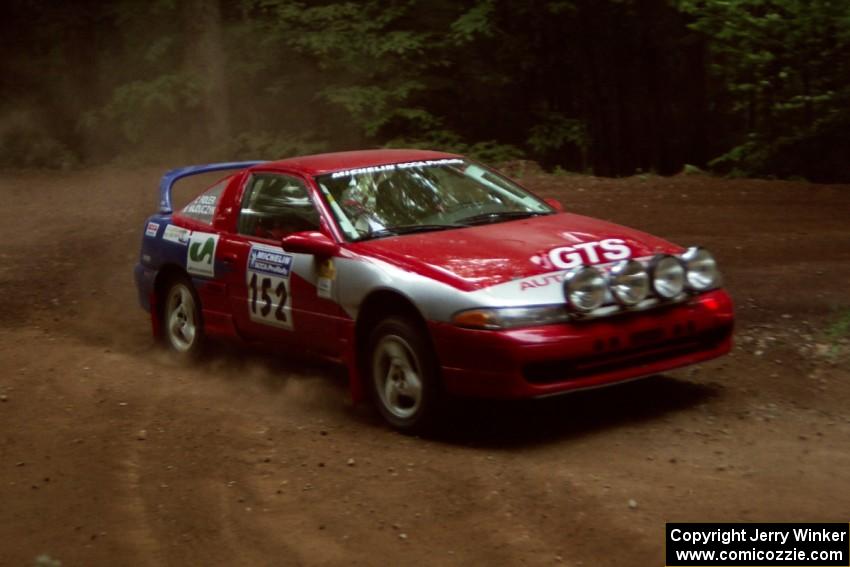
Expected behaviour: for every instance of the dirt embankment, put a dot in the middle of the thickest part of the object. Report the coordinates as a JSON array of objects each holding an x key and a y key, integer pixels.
[{"x": 109, "y": 452}]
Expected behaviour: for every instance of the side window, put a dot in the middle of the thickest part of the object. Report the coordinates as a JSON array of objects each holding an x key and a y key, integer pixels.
[
  {"x": 276, "y": 205},
  {"x": 203, "y": 206}
]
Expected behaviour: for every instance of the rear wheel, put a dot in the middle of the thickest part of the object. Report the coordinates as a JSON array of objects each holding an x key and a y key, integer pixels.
[
  {"x": 182, "y": 325},
  {"x": 403, "y": 375}
]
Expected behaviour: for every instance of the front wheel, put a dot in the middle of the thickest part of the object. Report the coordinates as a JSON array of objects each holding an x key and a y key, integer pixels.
[
  {"x": 404, "y": 375},
  {"x": 182, "y": 325}
]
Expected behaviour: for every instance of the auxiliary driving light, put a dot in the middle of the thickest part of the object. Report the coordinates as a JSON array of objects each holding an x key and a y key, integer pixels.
[
  {"x": 585, "y": 289},
  {"x": 629, "y": 282},
  {"x": 668, "y": 276},
  {"x": 701, "y": 271}
]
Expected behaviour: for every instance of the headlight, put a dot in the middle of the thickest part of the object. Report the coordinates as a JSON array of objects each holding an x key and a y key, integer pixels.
[
  {"x": 508, "y": 317},
  {"x": 668, "y": 276},
  {"x": 585, "y": 289},
  {"x": 701, "y": 271},
  {"x": 629, "y": 282}
]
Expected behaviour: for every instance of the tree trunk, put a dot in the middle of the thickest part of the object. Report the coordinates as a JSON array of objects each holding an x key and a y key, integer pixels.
[{"x": 206, "y": 60}]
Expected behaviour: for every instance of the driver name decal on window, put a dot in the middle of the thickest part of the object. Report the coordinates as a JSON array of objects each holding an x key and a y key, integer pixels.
[
  {"x": 268, "y": 280},
  {"x": 202, "y": 208}
]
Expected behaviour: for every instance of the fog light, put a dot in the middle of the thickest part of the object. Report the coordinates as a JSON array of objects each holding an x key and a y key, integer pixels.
[
  {"x": 668, "y": 276},
  {"x": 585, "y": 289},
  {"x": 629, "y": 282}
]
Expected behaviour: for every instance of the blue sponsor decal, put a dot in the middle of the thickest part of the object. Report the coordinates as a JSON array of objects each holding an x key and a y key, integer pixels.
[{"x": 270, "y": 262}]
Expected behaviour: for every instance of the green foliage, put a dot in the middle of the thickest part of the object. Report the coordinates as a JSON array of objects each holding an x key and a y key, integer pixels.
[
  {"x": 27, "y": 142},
  {"x": 140, "y": 108},
  {"x": 838, "y": 331},
  {"x": 742, "y": 160},
  {"x": 561, "y": 172},
  {"x": 492, "y": 151},
  {"x": 489, "y": 151},
  {"x": 747, "y": 87},
  {"x": 689, "y": 169},
  {"x": 784, "y": 70},
  {"x": 555, "y": 131},
  {"x": 374, "y": 63},
  {"x": 374, "y": 107},
  {"x": 272, "y": 145},
  {"x": 476, "y": 22},
  {"x": 45, "y": 560},
  {"x": 841, "y": 327},
  {"x": 643, "y": 177}
]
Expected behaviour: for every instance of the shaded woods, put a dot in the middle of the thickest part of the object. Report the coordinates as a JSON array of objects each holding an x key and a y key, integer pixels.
[{"x": 743, "y": 87}]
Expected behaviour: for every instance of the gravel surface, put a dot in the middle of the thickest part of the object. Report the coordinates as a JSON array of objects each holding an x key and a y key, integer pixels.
[{"x": 111, "y": 452}]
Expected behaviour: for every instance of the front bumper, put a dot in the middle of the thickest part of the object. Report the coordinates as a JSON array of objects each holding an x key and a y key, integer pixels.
[{"x": 546, "y": 360}]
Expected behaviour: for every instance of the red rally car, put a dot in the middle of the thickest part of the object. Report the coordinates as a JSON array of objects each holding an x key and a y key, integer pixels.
[{"x": 427, "y": 274}]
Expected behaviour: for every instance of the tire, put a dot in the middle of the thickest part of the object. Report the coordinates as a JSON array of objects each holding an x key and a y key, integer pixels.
[
  {"x": 403, "y": 376},
  {"x": 182, "y": 325}
]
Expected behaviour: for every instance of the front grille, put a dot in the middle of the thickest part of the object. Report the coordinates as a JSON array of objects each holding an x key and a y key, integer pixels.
[{"x": 645, "y": 347}]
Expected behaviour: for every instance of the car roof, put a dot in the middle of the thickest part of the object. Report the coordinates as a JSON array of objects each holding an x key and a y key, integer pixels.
[{"x": 319, "y": 164}]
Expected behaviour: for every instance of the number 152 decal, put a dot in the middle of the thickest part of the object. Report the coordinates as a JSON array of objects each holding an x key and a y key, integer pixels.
[{"x": 269, "y": 300}]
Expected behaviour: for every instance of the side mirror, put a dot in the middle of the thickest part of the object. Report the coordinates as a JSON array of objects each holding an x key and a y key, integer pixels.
[
  {"x": 310, "y": 242},
  {"x": 554, "y": 203}
]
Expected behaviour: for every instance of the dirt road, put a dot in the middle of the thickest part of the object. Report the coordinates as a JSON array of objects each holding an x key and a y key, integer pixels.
[{"x": 112, "y": 454}]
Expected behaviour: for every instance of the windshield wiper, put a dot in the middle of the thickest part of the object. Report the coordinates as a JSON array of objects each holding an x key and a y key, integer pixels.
[
  {"x": 485, "y": 218},
  {"x": 409, "y": 229}
]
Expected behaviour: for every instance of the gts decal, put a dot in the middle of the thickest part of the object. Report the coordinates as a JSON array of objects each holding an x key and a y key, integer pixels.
[{"x": 608, "y": 250}]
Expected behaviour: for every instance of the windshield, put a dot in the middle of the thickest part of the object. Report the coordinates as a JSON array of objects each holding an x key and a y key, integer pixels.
[{"x": 387, "y": 200}]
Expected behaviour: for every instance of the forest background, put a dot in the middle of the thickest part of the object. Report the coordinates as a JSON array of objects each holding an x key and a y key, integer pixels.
[{"x": 608, "y": 87}]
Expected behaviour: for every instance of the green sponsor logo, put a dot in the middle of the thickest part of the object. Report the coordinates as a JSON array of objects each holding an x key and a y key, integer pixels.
[{"x": 202, "y": 252}]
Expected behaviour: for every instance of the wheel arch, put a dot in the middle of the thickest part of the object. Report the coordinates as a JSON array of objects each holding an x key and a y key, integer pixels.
[
  {"x": 378, "y": 305},
  {"x": 164, "y": 276}
]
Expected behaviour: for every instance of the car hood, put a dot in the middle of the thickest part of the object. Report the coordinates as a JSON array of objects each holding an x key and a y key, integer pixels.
[{"x": 476, "y": 257}]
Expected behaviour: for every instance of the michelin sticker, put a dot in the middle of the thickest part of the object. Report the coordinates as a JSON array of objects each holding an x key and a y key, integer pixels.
[
  {"x": 176, "y": 234},
  {"x": 152, "y": 229},
  {"x": 200, "y": 258},
  {"x": 269, "y": 298}
]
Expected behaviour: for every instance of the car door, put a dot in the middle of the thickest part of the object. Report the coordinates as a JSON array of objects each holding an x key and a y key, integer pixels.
[{"x": 273, "y": 293}]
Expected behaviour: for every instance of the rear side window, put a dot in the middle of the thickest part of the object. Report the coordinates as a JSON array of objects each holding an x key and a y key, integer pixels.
[
  {"x": 276, "y": 205},
  {"x": 202, "y": 208}
]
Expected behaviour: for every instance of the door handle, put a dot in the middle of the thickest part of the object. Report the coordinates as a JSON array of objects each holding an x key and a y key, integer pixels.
[{"x": 229, "y": 259}]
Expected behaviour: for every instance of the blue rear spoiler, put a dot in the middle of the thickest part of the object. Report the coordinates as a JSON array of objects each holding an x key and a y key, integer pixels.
[{"x": 171, "y": 177}]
